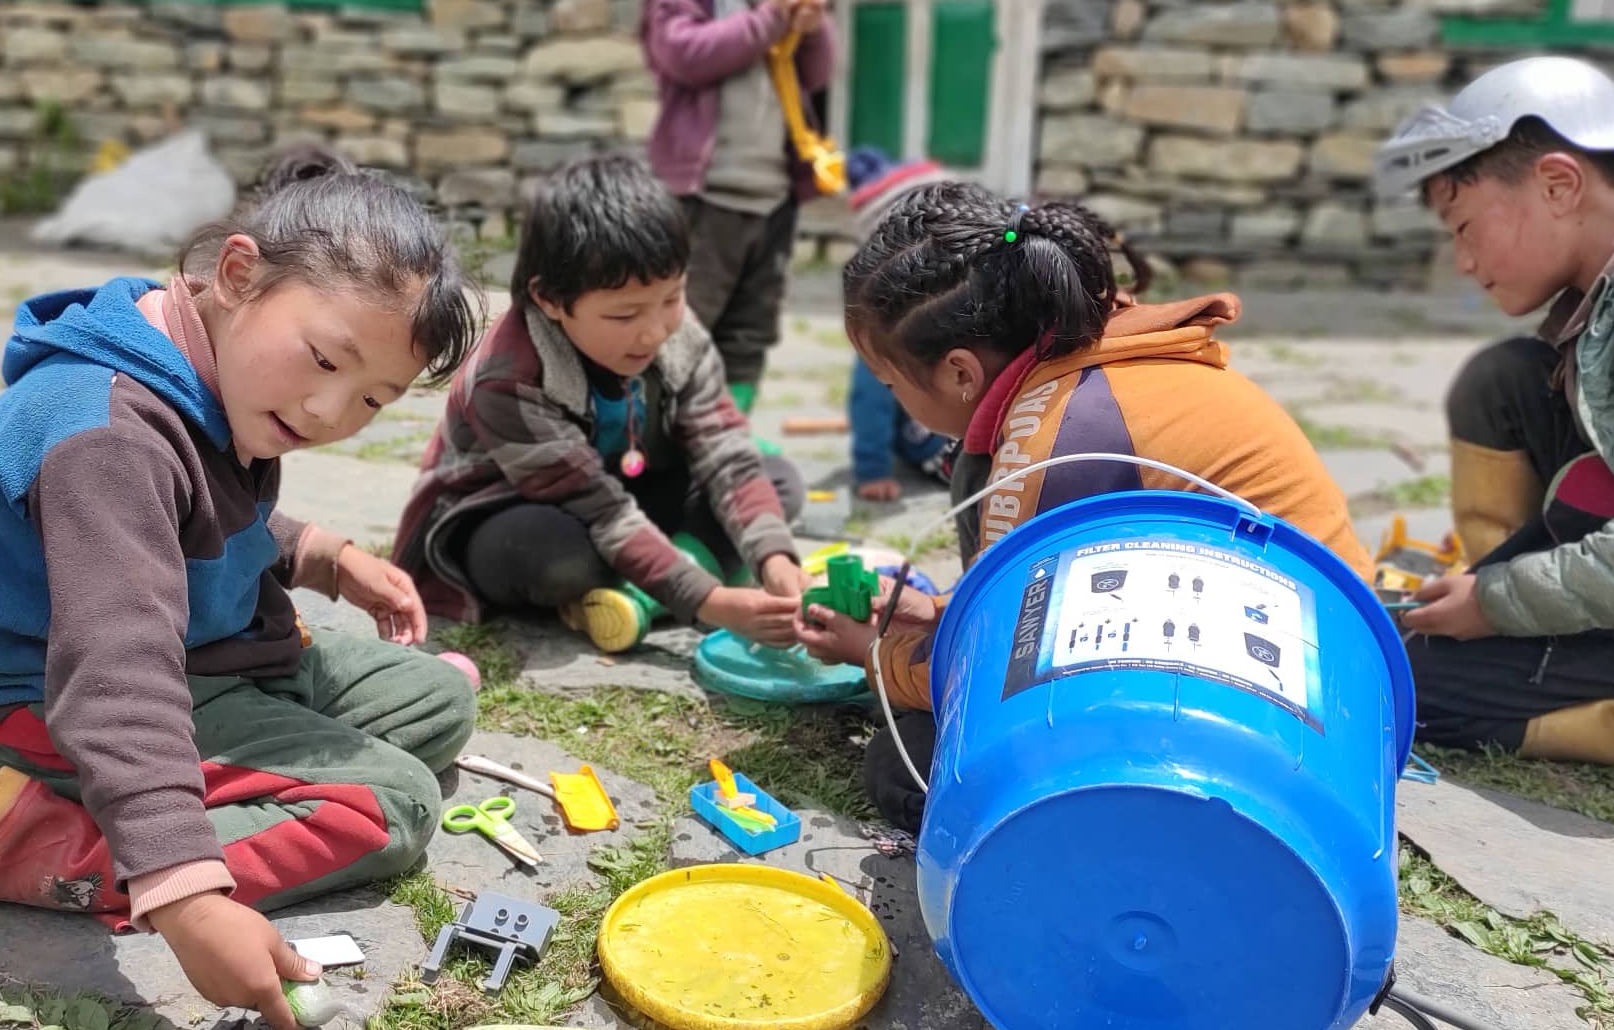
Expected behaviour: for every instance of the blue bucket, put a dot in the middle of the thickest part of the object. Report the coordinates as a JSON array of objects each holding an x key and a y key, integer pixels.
[{"x": 1163, "y": 793}]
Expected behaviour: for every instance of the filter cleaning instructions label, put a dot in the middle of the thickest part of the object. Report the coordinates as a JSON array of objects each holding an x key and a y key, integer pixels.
[{"x": 1167, "y": 606}]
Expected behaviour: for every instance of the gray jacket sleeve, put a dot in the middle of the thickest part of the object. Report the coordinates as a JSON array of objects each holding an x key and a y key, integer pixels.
[{"x": 1569, "y": 589}]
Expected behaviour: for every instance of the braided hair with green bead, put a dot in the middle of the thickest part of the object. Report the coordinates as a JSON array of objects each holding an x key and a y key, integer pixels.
[{"x": 954, "y": 265}]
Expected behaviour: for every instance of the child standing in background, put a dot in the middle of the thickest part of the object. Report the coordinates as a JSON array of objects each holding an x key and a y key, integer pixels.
[
  {"x": 880, "y": 427},
  {"x": 173, "y": 752},
  {"x": 720, "y": 145}
]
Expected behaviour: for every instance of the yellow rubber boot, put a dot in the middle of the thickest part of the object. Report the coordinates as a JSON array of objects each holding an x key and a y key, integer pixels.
[
  {"x": 1584, "y": 733},
  {"x": 1493, "y": 493},
  {"x": 617, "y": 618}
]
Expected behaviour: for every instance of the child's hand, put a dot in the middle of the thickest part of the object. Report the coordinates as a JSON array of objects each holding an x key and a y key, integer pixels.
[
  {"x": 782, "y": 577},
  {"x": 385, "y": 591},
  {"x": 232, "y": 956},
  {"x": 915, "y": 608},
  {"x": 830, "y": 636},
  {"x": 808, "y": 16},
  {"x": 880, "y": 490},
  {"x": 1449, "y": 608},
  {"x": 753, "y": 614}
]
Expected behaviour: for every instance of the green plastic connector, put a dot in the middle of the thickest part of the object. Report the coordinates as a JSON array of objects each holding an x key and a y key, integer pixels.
[{"x": 851, "y": 590}]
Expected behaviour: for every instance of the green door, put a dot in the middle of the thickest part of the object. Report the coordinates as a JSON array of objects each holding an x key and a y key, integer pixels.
[
  {"x": 959, "y": 80},
  {"x": 962, "y": 43},
  {"x": 879, "y": 74}
]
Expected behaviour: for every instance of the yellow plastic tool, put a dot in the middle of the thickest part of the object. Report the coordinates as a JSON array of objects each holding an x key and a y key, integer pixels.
[
  {"x": 1403, "y": 564},
  {"x": 828, "y": 163},
  {"x": 584, "y": 804},
  {"x": 729, "y": 791},
  {"x": 744, "y": 947},
  {"x": 817, "y": 563}
]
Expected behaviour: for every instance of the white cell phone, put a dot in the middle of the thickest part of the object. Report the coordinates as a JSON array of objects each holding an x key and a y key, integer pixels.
[{"x": 337, "y": 949}]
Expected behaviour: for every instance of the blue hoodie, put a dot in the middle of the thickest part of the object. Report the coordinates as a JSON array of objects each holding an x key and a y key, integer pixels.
[{"x": 133, "y": 541}]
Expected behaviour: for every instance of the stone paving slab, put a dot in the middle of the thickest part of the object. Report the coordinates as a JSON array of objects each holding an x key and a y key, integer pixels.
[
  {"x": 1494, "y": 993},
  {"x": 1518, "y": 856},
  {"x": 470, "y": 862},
  {"x": 359, "y": 499}
]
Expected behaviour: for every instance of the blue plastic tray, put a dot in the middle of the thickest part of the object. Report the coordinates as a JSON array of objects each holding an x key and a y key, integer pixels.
[
  {"x": 703, "y": 798},
  {"x": 729, "y": 664}
]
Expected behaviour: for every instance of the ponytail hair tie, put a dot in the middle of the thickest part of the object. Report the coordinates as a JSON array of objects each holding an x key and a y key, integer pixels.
[{"x": 1012, "y": 233}]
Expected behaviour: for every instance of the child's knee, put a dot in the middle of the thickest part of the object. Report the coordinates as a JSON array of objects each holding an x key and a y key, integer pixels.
[
  {"x": 413, "y": 802},
  {"x": 1492, "y": 381},
  {"x": 444, "y": 704}
]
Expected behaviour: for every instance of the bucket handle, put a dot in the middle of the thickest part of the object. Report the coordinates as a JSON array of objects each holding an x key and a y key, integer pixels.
[{"x": 993, "y": 487}]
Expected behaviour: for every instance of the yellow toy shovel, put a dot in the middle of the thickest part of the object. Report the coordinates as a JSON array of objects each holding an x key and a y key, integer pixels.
[{"x": 828, "y": 163}]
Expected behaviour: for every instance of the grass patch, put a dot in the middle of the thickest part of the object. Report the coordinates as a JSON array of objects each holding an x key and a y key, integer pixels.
[
  {"x": 1573, "y": 786},
  {"x": 834, "y": 337},
  {"x": 1284, "y": 354},
  {"x": 943, "y": 539},
  {"x": 564, "y": 977},
  {"x": 1360, "y": 391},
  {"x": 398, "y": 447},
  {"x": 1326, "y": 437},
  {"x": 804, "y": 757},
  {"x": 1540, "y": 941},
  {"x": 1423, "y": 492}
]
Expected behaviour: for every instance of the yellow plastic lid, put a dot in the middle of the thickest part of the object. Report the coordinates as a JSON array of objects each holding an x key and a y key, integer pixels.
[{"x": 744, "y": 947}]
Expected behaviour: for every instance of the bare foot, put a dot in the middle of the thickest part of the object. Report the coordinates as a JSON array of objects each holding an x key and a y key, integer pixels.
[{"x": 880, "y": 490}]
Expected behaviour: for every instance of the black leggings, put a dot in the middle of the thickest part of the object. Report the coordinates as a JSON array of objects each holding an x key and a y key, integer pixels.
[{"x": 531, "y": 555}]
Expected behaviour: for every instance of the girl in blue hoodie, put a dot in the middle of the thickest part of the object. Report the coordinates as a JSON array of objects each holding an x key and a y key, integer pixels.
[{"x": 176, "y": 751}]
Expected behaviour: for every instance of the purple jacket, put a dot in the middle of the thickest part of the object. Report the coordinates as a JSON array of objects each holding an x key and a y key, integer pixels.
[{"x": 690, "y": 55}]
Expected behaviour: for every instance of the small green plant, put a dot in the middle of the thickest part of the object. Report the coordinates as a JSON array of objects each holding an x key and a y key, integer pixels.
[
  {"x": 1540, "y": 941},
  {"x": 1423, "y": 492},
  {"x": 37, "y": 1009},
  {"x": 51, "y": 162}
]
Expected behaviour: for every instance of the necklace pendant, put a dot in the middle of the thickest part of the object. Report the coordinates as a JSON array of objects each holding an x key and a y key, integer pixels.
[{"x": 633, "y": 463}]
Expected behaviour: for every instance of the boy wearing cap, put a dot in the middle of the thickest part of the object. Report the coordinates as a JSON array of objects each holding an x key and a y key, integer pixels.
[{"x": 1516, "y": 651}]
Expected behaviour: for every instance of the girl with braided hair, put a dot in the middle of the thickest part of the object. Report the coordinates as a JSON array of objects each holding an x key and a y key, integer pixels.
[{"x": 1004, "y": 325}]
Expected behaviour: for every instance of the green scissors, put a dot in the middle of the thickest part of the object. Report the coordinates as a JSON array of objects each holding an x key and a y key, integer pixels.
[{"x": 492, "y": 819}]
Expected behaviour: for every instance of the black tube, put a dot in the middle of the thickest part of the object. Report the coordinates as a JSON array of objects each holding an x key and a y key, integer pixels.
[{"x": 1423, "y": 1009}]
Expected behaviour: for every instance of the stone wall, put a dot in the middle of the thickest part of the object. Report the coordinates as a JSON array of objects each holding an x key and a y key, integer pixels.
[
  {"x": 1237, "y": 137},
  {"x": 470, "y": 97},
  {"x": 1234, "y": 136}
]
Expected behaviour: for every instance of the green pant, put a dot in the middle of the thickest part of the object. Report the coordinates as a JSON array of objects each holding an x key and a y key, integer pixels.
[{"x": 314, "y": 782}]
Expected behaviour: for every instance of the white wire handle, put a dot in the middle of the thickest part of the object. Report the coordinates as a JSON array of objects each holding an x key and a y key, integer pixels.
[{"x": 993, "y": 487}]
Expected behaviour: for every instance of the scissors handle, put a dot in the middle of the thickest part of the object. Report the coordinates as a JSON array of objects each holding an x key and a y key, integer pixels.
[
  {"x": 498, "y": 807},
  {"x": 461, "y": 818}
]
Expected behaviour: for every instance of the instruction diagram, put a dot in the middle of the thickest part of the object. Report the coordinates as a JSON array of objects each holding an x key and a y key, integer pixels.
[{"x": 1174, "y": 607}]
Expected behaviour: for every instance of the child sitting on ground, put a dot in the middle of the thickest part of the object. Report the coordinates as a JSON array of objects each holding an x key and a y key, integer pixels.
[
  {"x": 720, "y": 145},
  {"x": 1516, "y": 652},
  {"x": 591, "y": 425},
  {"x": 880, "y": 428},
  {"x": 1003, "y": 325},
  {"x": 175, "y": 753}
]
